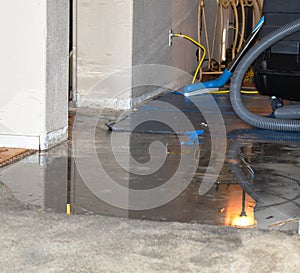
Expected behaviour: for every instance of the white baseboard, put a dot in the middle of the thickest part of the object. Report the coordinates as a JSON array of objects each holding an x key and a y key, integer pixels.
[
  {"x": 53, "y": 138},
  {"x": 42, "y": 142},
  {"x": 26, "y": 142},
  {"x": 117, "y": 103},
  {"x": 105, "y": 103},
  {"x": 147, "y": 96}
]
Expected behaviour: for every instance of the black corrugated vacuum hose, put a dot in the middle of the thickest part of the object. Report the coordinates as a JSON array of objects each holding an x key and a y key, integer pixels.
[{"x": 236, "y": 82}]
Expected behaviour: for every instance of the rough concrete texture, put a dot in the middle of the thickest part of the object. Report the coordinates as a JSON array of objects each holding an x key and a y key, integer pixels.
[
  {"x": 57, "y": 64},
  {"x": 151, "y": 23},
  {"x": 35, "y": 241}
]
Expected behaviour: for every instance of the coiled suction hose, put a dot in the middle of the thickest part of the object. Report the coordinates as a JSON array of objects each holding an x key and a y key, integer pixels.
[{"x": 236, "y": 82}]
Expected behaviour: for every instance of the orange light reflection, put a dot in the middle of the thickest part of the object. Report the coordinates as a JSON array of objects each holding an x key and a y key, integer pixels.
[{"x": 234, "y": 208}]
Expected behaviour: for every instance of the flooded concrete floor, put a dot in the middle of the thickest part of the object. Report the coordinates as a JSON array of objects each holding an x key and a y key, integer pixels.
[{"x": 51, "y": 180}]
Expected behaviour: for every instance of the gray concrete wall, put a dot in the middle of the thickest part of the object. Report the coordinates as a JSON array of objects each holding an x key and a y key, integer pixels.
[
  {"x": 57, "y": 64},
  {"x": 152, "y": 20}
]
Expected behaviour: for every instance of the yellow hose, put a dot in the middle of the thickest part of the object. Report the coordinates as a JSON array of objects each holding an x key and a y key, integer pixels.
[
  {"x": 200, "y": 46},
  {"x": 201, "y": 62},
  {"x": 227, "y": 92}
]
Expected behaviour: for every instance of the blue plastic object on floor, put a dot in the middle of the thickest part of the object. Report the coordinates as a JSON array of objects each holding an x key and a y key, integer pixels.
[{"x": 217, "y": 83}]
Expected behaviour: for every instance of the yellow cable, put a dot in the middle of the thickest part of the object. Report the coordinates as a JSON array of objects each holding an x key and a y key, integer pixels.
[
  {"x": 220, "y": 92},
  {"x": 249, "y": 92},
  {"x": 201, "y": 62},
  {"x": 199, "y": 45},
  {"x": 228, "y": 91}
]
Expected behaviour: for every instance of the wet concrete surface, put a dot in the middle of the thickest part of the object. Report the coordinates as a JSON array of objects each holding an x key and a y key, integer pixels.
[{"x": 51, "y": 180}]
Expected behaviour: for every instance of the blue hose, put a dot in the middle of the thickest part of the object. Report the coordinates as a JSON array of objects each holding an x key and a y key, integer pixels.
[
  {"x": 227, "y": 73},
  {"x": 217, "y": 83}
]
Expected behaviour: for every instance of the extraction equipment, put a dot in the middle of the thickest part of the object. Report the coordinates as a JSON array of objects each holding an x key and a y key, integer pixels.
[{"x": 276, "y": 59}]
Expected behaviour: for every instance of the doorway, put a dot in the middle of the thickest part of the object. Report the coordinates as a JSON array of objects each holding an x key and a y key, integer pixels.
[{"x": 72, "y": 51}]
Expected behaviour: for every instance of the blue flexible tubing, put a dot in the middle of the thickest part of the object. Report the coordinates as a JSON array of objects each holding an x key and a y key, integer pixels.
[{"x": 217, "y": 83}]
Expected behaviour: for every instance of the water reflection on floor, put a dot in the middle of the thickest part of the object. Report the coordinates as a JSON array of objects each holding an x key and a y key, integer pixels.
[{"x": 51, "y": 180}]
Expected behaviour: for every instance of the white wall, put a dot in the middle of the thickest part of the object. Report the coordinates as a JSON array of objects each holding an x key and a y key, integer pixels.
[
  {"x": 104, "y": 46},
  {"x": 114, "y": 35},
  {"x": 33, "y": 90}
]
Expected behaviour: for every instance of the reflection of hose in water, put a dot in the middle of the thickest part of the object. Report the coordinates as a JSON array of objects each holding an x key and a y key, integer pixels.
[
  {"x": 286, "y": 200},
  {"x": 233, "y": 158},
  {"x": 291, "y": 178}
]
